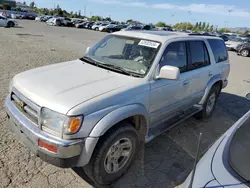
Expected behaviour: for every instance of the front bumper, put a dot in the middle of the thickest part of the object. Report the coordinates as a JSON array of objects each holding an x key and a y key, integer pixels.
[{"x": 70, "y": 153}]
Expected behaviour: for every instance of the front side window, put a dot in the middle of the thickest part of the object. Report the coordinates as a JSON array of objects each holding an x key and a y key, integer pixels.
[
  {"x": 130, "y": 54},
  {"x": 219, "y": 50},
  {"x": 175, "y": 55},
  {"x": 199, "y": 54}
]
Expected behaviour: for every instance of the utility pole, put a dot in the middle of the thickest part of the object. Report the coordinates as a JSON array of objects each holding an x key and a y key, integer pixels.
[
  {"x": 84, "y": 11},
  {"x": 229, "y": 12}
]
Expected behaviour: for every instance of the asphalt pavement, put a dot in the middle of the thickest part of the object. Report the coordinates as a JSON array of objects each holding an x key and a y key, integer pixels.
[{"x": 164, "y": 162}]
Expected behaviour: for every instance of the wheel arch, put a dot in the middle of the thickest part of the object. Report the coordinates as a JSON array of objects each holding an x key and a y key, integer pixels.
[
  {"x": 216, "y": 80},
  {"x": 137, "y": 114}
]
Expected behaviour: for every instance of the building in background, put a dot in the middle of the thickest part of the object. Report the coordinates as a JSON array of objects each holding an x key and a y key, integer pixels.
[{"x": 7, "y": 4}]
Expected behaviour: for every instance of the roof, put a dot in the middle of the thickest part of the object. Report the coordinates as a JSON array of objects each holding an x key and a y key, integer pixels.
[{"x": 159, "y": 36}]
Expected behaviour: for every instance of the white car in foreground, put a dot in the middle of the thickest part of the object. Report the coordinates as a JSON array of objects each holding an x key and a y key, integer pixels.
[
  {"x": 226, "y": 164},
  {"x": 5, "y": 22}
]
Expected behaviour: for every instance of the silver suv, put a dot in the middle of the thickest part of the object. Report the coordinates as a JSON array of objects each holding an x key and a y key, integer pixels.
[{"x": 130, "y": 87}]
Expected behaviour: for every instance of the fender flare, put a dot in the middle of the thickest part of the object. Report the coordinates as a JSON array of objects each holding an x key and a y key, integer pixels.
[
  {"x": 118, "y": 115},
  {"x": 210, "y": 84}
]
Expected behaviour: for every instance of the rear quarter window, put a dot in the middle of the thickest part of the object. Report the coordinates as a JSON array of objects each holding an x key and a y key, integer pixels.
[{"x": 219, "y": 50}]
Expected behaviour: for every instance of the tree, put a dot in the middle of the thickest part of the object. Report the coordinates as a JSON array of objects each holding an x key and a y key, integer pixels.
[
  {"x": 207, "y": 27},
  {"x": 203, "y": 26},
  {"x": 224, "y": 30},
  {"x": 199, "y": 25},
  {"x": 246, "y": 32},
  {"x": 79, "y": 13},
  {"x": 211, "y": 28},
  {"x": 107, "y": 19},
  {"x": 24, "y": 3},
  {"x": 161, "y": 24},
  {"x": 32, "y": 4},
  {"x": 129, "y": 21},
  {"x": 96, "y": 18},
  {"x": 196, "y": 25}
]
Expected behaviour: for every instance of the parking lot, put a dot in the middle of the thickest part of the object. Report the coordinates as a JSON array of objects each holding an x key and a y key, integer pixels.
[{"x": 164, "y": 162}]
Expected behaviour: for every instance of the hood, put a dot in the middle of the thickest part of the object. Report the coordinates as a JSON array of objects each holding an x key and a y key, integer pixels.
[{"x": 62, "y": 86}]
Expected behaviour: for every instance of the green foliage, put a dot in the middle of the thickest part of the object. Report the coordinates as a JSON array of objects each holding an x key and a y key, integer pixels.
[
  {"x": 129, "y": 21},
  {"x": 203, "y": 27},
  {"x": 96, "y": 18},
  {"x": 32, "y": 4},
  {"x": 211, "y": 28},
  {"x": 184, "y": 26},
  {"x": 246, "y": 33},
  {"x": 224, "y": 30},
  {"x": 161, "y": 24},
  {"x": 199, "y": 25},
  {"x": 207, "y": 27}
]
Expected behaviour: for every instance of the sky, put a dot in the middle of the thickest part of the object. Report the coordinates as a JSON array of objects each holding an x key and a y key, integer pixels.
[{"x": 221, "y": 13}]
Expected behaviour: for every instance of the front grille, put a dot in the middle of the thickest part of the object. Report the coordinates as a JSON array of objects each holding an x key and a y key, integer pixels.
[{"x": 29, "y": 109}]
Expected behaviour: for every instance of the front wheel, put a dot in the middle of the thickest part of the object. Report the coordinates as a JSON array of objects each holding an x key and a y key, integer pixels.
[
  {"x": 245, "y": 53},
  {"x": 114, "y": 154},
  {"x": 209, "y": 105}
]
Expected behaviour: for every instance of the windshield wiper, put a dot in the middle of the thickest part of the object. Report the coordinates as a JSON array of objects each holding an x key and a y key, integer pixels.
[
  {"x": 120, "y": 69},
  {"x": 89, "y": 60}
]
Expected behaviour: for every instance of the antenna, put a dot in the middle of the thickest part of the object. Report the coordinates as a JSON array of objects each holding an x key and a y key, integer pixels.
[{"x": 195, "y": 162}]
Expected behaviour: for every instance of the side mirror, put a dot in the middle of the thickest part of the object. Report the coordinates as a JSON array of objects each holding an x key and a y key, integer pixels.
[
  {"x": 169, "y": 72},
  {"x": 87, "y": 50},
  {"x": 248, "y": 96}
]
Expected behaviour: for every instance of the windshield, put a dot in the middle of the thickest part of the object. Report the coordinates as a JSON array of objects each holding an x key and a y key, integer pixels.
[
  {"x": 131, "y": 54},
  {"x": 239, "y": 151}
]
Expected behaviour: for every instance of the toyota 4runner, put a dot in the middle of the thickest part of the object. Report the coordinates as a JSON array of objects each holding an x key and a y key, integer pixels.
[{"x": 130, "y": 87}]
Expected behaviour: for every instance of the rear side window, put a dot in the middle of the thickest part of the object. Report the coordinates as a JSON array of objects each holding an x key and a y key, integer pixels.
[
  {"x": 219, "y": 50},
  {"x": 198, "y": 55}
]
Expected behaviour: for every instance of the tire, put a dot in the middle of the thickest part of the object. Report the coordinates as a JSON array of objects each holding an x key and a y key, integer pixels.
[
  {"x": 96, "y": 28},
  {"x": 208, "y": 106},
  {"x": 98, "y": 169},
  {"x": 245, "y": 53},
  {"x": 10, "y": 24}
]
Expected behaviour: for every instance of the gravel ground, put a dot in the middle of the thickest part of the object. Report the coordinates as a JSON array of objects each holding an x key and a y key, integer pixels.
[{"x": 164, "y": 162}]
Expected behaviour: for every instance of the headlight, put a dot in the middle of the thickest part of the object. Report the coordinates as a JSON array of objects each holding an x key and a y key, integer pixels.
[{"x": 60, "y": 123}]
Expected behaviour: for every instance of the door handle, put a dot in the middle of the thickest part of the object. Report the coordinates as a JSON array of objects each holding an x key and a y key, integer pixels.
[
  {"x": 210, "y": 74},
  {"x": 186, "y": 82}
]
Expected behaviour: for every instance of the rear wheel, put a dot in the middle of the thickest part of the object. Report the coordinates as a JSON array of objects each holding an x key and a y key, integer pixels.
[
  {"x": 208, "y": 106},
  {"x": 114, "y": 154},
  {"x": 245, "y": 52},
  {"x": 10, "y": 24}
]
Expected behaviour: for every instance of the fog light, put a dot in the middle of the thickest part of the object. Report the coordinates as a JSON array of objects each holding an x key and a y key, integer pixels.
[{"x": 47, "y": 146}]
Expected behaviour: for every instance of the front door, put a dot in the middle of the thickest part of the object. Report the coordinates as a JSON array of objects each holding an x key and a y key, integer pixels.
[
  {"x": 170, "y": 96},
  {"x": 2, "y": 21}
]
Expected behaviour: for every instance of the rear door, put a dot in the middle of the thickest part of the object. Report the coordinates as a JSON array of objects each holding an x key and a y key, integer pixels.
[
  {"x": 220, "y": 58},
  {"x": 199, "y": 69}
]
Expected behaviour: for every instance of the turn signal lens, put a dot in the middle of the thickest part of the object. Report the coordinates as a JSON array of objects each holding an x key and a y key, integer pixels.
[
  {"x": 47, "y": 146},
  {"x": 74, "y": 125}
]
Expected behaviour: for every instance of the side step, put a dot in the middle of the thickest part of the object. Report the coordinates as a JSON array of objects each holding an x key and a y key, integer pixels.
[{"x": 166, "y": 125}]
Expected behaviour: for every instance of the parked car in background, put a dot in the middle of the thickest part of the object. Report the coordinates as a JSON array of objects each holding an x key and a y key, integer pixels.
[
  {"x": 39, "y": 18},
  {"x": 81, "y": 25},
  {"x": 5, "y": 22},
  {"x": 226, "y": 164},
  {"x": 89, "y": 25},
  {"x": 96, "y": 25},
  {"x": 129, "y": 88},
  {"x": 46, "y": 18},
  {"x": 244, "y": 49},
  {"x": 115, "y": 28},
  {"x": 233, "y": 43},
  {"x": 132, "y": 27},
  {"x": 60, "y": 21},
  {"x": 103, "y": 27}
]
